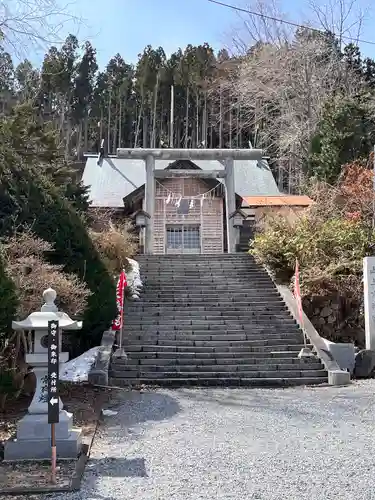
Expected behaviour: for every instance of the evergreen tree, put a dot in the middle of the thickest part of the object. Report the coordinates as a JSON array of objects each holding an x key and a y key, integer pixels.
[{"x": 346, "y": 133}]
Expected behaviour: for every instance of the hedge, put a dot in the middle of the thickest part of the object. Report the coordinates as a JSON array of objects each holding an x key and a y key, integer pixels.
[{"x": 8, "y": 303}]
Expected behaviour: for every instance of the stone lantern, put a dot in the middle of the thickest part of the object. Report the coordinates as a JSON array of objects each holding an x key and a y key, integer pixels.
[
  {"x": 33, "y": 440},
  {"x": 237, "y": 218},
  {"x": 141, "y": 219}
]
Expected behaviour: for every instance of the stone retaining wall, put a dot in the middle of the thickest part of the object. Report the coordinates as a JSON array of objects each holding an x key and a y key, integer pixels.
[{"x": 336, "y": 318}]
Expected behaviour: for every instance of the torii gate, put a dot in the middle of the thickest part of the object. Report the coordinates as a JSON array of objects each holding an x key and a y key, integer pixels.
[{"x": 225, "y": 156}]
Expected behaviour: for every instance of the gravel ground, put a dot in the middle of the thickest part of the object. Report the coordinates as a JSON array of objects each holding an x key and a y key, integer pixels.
[{"x": 189, "y": 444}]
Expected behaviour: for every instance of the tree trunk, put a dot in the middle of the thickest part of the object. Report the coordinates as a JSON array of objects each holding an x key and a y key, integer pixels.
[
  {"x": 114, "y": 135},
  {"x": 230, "y": 125},
  {"x": 120, "y": 123},
  {"x": 239, "y": 126},
  {"x": 221, "y": 119},
  {"x": 140, "y": 116},
  {"x": 187, "y": 118},
  {"x": 86, "y": 133},
  {"x": 109, "y": 123},
  {"x": 197, "y": 100},
  {"x": 204, "y": 125},
  {"x": 101, "y": 126},
  {"x": 145, "y": 131},
  {"x": 156, "y": 89},
  {"x": 79, "y": 141},
  {"x": 211, "y": 126},
  {"x": 67, "y": 139},
  {"x": 171, "y": 123}
]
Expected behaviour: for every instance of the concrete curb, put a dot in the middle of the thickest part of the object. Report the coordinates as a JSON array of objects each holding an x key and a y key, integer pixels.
[
  {"x": 98, "y": 374},
  {"x": 336, "y": 376}
]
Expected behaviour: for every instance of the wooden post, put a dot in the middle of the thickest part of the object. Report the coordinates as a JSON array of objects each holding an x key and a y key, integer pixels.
[
  {"x": 150, "y": 203},
  {"x": 53, "y": 448},
  {"x": 230, "y": 199},
  {"x": 53, "y": 388}
]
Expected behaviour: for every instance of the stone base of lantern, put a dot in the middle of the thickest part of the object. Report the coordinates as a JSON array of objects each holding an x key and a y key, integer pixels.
[{"x": 33, "y": 440}]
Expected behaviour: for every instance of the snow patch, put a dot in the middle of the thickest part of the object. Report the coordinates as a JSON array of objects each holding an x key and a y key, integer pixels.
[
  {"x": 77, "y": 369},
  {"x": 133, "y": 278}
]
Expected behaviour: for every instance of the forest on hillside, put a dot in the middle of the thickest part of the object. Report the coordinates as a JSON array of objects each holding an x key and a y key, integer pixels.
[{"x": 306, "y": 97}]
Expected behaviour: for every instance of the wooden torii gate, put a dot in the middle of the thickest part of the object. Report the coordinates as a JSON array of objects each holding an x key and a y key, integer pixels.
[{"x": 225, "y": 156}]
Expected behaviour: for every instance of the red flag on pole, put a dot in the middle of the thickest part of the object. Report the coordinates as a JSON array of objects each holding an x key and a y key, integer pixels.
[{"x": 121, "y": 284}]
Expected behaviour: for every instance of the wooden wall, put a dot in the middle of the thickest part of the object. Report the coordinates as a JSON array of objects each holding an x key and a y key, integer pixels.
[{"x": 208, "y": 214}]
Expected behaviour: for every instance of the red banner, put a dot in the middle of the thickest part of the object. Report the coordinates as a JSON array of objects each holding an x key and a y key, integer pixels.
[
  {"x": 297, "y": 292},
  {"x": 121, "y": 284}
]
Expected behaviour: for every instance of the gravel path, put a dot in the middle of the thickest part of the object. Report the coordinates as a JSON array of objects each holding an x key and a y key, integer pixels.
[{"x": 293, "y": 444}]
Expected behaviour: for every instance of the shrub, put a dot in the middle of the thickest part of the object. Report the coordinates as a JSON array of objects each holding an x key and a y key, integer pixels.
[
  {"x": 25, "y": 263},
  {"x": 115, "y": 244},
  {"x": 9, "y": 302},
  {"x": 329, "y": 239}
]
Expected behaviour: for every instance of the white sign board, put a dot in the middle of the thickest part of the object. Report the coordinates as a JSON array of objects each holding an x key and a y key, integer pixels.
[{"x": 369, "y": 300}]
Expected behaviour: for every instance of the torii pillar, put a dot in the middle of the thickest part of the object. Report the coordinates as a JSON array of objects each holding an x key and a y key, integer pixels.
[{"x": 150, "y": 203}]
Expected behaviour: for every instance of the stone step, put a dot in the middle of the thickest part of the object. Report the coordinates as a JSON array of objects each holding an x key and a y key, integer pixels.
[
  {"x": 249, "y": 330},
  {"x": 205, "y": 274},
  {"x": 205, "y": 329},
  {"x": 218, "y": 374},
  {"x": 218, "y": 299},
  {"x": 238, "y": 295},
  {"x": 132, "y": 337},
  {"x": 200, "y": 307},
  {"x": 207, "y": 357},
  {"x": 220, "y": 382},
  {"x": 212, "y": 303},
  {"x": 217, "y": 370},
  {"x": 118, "y": 363},
  {"x": 207, "y": 313},
  {"x": 214, "y": 349},
  {"x": 209, "y": 343},
  {"x": 195, "y": 258},
  {"x": 200, "y": 304},
  {"x": 210, "y": 295},
  {"x": 202, "y": 324},
  {"x": 221, "y": 323},
  {"x": 240, "y": 288},
  {"x": 204, "y": 277},
  {"x": 223, "y": 284}
]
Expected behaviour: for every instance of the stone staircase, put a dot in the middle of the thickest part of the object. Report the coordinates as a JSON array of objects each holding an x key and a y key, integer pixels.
[{"x": 211, "y": 320}]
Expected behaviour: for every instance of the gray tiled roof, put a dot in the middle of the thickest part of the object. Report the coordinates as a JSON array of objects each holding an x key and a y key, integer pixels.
[{"x": 116, "y": 178}]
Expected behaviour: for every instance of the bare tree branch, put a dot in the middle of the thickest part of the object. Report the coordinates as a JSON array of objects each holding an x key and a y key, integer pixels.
[
  {"x": 345, "y": 18},
  {"x": 33, "y": 24},
  {"x": 253, "y": 29},
  {"x": 282, "y": 91}
]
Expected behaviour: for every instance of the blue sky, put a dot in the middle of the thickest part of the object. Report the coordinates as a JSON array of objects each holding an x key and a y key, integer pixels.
[{"x": 127, "y": 26}]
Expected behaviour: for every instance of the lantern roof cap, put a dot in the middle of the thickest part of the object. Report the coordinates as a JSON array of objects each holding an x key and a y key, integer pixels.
[{"x": 49, "y": 312}]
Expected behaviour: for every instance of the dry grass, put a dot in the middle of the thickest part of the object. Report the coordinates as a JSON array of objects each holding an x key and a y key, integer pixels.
[
  {"x": 24, "y": 256},
  {"x": 115, "y": 243}
]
